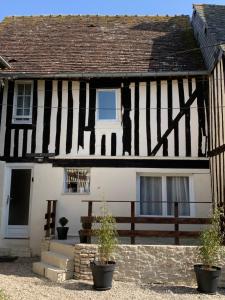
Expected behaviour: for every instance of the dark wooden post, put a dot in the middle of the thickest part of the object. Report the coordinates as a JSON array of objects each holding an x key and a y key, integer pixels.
[
  {"x": 48, "y": 219},
  {"x": 132, "y": 239},
  {"x": 53, "y": 216},
  {"x": 176, "y": 226},
  {"x": 89, "y": 225}
]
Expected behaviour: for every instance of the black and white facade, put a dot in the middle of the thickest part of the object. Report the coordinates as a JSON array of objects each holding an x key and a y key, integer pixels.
[
  {"x": 134, "y": 136},
  {"x": 154, "y": 118}
]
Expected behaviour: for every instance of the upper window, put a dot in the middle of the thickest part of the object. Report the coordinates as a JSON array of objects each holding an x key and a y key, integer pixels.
[
  {"x": 77, "y": 181},
  {"x": 107, "y": 105},
  {"x": 157, "y": 195},
  {"x": 22, "y": 106}
]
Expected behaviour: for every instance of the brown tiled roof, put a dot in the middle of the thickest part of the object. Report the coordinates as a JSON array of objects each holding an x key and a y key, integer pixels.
[{"x": 109, "y": 44}]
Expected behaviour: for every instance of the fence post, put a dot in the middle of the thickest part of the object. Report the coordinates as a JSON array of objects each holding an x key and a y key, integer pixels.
[
  {"x": 53, "y": 216},
  {"x": 48, "y": 219},
  {"x": 176, "y": 225},
  {"x": 89, "y": 225},
  {"x": 132, "y": 239}
]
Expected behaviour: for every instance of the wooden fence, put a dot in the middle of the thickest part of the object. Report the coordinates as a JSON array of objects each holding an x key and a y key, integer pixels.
[{"x": 86, "y": 232}]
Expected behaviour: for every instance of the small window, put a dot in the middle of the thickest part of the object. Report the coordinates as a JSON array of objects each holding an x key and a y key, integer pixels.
[
  {"x": 77, "y": 181},
  {"x": 22, "y": 106},
  {"x": 157, "y": 195},
  {"x": 107, "y": 105}
]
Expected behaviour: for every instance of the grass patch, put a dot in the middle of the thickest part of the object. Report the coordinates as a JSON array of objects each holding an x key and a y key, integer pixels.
[{"x": 3, "y": 296}]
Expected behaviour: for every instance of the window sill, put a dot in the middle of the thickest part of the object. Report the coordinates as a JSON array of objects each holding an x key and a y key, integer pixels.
[
  {"x": 163, "y": 216},
  {"x": 16, "y": 122},
  {"x": 75, "y": 194},
  {"x": 108, "y": 125}
]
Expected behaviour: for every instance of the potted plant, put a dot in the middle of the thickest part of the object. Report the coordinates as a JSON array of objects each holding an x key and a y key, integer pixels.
[
  {"x": 62, "y": 231},
  {"x": 207, "y": 274},
  {"x": 103, "y": 268}
]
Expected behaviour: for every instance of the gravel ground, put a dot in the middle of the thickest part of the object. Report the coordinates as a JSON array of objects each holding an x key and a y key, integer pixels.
[{"x": 18, "y": 282}]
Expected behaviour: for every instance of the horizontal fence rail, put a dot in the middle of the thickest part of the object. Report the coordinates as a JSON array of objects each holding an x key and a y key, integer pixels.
[{"x": 87, "y": 232}]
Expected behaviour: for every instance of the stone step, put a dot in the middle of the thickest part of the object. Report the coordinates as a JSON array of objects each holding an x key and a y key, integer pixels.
[
  {"x": 58, "y": 260},
  {"x": 39, "y": 268},
  {"x": 53, "y": 273},
  {"x": 57, "y": 275},
  {"x": 67, "y": 250}
]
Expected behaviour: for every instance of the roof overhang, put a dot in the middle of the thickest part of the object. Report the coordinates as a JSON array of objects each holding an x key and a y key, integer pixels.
[{"x": 17, "y": 75}]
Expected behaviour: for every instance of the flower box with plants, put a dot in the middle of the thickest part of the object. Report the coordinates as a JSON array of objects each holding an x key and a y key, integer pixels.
[
  {"x": 62, "y": 231},
  {"x": 103, "y": 267},
  {"x": 207, "y": 274}
]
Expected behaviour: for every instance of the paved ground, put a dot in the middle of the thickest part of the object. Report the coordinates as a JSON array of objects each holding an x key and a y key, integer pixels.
[{"x": 18, "y": 282}]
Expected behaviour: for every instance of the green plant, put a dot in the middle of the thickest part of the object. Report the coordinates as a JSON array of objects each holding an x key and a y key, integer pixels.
[
  {"x": 211, "y": 241},
  {"x": 106, "y": 236},
  {"x": 63, "y": 221},
  {"x": 2, "y": 295}
]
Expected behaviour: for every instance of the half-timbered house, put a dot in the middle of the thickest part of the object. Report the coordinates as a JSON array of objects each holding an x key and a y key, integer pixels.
[
  {"x": 91, "y": 107},
  {"x": 209, "y": 27}
]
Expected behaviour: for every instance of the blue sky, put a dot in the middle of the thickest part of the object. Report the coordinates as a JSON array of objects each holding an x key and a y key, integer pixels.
[{"x": 129, "y": 7}]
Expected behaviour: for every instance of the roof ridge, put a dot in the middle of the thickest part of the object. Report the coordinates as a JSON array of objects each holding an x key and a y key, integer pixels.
[
  {"x": 95, "y": 15},
  {"x": 198, "y": 4}
]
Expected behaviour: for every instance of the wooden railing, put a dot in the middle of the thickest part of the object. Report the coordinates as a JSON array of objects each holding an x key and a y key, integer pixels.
[
  {"x": 50, "y": 218},
  {"x": 86, "y": 232}
]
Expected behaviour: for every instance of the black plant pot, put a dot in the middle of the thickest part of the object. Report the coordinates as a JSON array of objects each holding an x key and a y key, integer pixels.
[
  {"x": 207, "y": 279},
  {"x": 102, "y": 275},
  {"x": 62, "y": 232}
]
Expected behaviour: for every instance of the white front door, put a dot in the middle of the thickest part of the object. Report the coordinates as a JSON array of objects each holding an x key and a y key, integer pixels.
[{"x": 18, "y": 203}]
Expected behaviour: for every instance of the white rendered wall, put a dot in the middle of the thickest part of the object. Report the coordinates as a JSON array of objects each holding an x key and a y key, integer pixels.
[
  {"x": 110, "y": 183},
  {"x": 114, "y": 183}
]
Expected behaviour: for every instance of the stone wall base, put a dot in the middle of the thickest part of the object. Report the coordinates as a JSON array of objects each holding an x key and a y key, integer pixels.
[{"x": 145, "y": 263}]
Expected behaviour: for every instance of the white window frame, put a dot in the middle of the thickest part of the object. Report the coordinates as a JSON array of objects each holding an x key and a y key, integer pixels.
[
  {"x": 64, "y": 182},
  {"x": 164, "y": 195},
  {"x": 15, "y": 118},
  {"x": 118, "y": 106}
]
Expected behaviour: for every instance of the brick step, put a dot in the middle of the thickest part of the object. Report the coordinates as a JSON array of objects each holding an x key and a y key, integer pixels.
[
  {"x": 51, "y": 272},
  {"x": 57, "y": 260},
  {"x": 67, "y": 250}
]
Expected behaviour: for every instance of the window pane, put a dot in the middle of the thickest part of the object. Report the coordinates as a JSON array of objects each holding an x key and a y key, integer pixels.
[
  {"x": 27, "y": 102},
  {"x": 20, "y": 89},
  {"x": 20, "y": 101},
  {"x": 151, "y": 195},
  {"x": 107, "y": 105},
  {"x": 19, "y": 112},
  {"x": 28, "y": 89},
  {"x": 178, "y": 190},
  {"x": 77, "y": 181},
  {"x": 26, "y": 112}
]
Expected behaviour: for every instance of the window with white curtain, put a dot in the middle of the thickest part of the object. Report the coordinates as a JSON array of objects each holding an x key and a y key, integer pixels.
[{"x": 157, "y": 195}]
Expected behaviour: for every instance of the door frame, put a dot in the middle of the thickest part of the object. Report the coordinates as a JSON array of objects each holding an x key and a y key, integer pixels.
[{"x": 5, "y": 211}]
